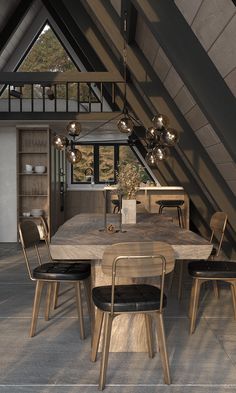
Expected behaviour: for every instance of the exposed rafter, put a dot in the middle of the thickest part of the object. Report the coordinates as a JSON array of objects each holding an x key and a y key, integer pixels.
[
  {"x": 58, "y": 77},
  {"x": 198, "y": 72},
  {"x": 151, "y": 87},
  {"x": 73, "y": 34},
  {"x": 13, "y": 22}
]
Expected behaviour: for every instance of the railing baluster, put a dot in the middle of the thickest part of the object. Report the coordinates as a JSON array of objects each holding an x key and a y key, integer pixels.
[
  {"x": 78, "y": 96},
  {"x": 101, "y": 97},
  {"x": 32, "y": 97},
  {"x": 67, "y": 97}
]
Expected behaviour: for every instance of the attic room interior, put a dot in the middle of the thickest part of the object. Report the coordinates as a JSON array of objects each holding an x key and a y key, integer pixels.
[{"x": 118, "y": 176}]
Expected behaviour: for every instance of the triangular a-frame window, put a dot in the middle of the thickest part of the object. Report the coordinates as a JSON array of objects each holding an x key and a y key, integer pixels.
[{"x": 47, "y": 54}]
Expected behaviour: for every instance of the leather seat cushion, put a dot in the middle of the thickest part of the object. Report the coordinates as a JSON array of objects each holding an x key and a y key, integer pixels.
[
  {"x": 169, "y": 203},
  {"x": 63, "y": 271},
  {"x": 128, "y": 298},
  {"x": 212, "y": 269}
]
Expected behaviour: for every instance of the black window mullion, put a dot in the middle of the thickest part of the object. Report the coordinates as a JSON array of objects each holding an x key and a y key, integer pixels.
[
  {"x": 116, "y": 159},
  {"x": 96, "y": 163}
]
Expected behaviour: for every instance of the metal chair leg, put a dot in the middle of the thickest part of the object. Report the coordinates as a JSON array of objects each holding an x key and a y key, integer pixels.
[
  {"x": 96, "y": 334},
  {"x": 105, "y": 351},
  {"x": 148, "y": 325},
  {"x": 216, "y": 289},
  {"x": 55, "y": 294},
  {"x": 195, "y": 301},
  {"x": 35, "y": 313},
  {"x": 80, "y": 309},
  {"x": 163, "y": 349},
  {"x": 48, "y": 300},
  {"x": 87, "y": 290},
  {"x": 181, "y": 269}
]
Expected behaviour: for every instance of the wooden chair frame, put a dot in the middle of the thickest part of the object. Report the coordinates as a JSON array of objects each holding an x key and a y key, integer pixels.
[
  {"x": 195, "y": 295},
  {"x": 107, "y": 318},
  {"x": 51, "y": 287}
]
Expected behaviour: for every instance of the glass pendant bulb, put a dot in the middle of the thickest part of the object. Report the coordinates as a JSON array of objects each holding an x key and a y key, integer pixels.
[
  {"x": 60, "y": 141},
  {"x": 169, "y": 137},
  {"x": 150, "y": 159},
  {"x": 125, "y": 125},
  {"x": 160, "y": 153},
  {"x": 151, "y": 134},
  {"x": 160, "y": 121},
  {"x": 73, "y": 128},
  {"x": 73, "y": 155}
]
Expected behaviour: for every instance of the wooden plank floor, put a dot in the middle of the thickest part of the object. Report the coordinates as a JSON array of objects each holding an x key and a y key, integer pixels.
[{"x": 57, "y": 361}]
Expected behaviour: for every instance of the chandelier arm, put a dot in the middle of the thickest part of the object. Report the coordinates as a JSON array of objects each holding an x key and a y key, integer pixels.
[{"x": 96, "y": 128}]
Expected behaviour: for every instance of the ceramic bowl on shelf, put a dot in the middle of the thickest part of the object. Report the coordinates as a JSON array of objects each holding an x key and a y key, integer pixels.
[
  {"x": 40, "y": 168},
  {"x": 26, "y": 214},
  {"x": 29, "y": 168},
  {"x": 37, "y": 212}
]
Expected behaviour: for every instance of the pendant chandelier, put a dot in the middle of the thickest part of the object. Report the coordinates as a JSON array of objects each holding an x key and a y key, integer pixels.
[{"x": 159, "y": 138}]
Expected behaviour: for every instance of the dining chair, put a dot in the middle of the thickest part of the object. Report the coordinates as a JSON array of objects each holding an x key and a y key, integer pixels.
[
  {"x": 176, "y": 203},
  {"x": 218, "y": 223},
  {"x": 56, "y": 288},
  {"x": 132, "y": 260},
  {"x": 204, "y": 270},
  {"x": 50, "y": 273}
]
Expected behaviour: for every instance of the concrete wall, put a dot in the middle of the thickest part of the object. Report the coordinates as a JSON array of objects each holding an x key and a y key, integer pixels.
[{"x": 8, "y": 200}]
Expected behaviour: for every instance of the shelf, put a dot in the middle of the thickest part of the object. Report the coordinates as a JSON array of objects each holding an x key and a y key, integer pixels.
[
  {"x": 33, "y": 188},
  {"x": 32, "y": 174},
  {"x": 33, "y": 195},
  {"x": 30, "y": 217},
  {"x": 33, "y": 152}
]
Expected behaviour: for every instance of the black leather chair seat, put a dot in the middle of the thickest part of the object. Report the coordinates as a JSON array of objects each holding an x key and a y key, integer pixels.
[
  {"x": 62, "y": 271},
  {"x": 169, "y": 203},
  {"x": 212, "y": 269},
  {"x": 128, "y": 298}
]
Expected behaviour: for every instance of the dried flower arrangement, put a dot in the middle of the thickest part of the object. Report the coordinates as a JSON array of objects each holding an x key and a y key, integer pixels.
[{"x": 129, "y": 177}]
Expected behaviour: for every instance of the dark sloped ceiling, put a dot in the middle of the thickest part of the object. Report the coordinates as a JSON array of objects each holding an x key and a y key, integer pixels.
[
  {"x": 93, "y": 27},
  {"x": 192, "y": 167}
]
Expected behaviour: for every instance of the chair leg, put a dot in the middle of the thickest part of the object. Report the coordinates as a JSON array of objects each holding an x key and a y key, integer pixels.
[
  {"x": 195, "y": 300},
  {"x": 35, "y": 313},
  {"x": 50, "y": 287},
  {"x": 87, "y": 290},
  {"x": 148, "y": 325},
  {"x": 55, "y": 294},
  {"x": 105, "y": 350},
  {"x": 216, "y": 289},
  {"x": 233, "y": 293},
  {"x": 80, "y": 309},
  {"x": 181, "y": 268},
  {"x": 96, "y": 334},
  {"x": 163, "y": 349}
]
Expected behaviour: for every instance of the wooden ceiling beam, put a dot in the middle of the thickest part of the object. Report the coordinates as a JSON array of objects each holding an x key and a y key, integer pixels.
[
  {"x": 58, "y": 77},
  {"x": 13, "y": 22}
]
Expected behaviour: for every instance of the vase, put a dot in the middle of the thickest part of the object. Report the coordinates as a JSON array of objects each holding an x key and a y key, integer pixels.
[{"x": 128, "y": 211}]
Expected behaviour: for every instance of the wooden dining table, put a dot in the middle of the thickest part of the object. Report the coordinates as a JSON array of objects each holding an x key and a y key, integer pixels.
[{"x": 85, "y": 237}]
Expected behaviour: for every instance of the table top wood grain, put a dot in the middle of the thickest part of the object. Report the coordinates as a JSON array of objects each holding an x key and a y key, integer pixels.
[{"x": 81, "y": 238}]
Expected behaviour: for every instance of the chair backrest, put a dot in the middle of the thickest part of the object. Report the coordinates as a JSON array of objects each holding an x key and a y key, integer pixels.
[
  {"x": 138, "y": 259},
  {"x": 45, "y": 228},
  {"x": 29, "y": 234},
  {"x": 30, "y": 238},
  {"x": 218, "y": 224}
]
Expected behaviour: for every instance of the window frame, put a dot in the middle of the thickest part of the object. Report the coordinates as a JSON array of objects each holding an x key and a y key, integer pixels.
[{"x": 96, "y": 146}]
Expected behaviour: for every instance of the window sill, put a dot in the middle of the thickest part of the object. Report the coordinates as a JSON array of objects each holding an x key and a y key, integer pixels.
[{"x": 85, "y": 187}]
